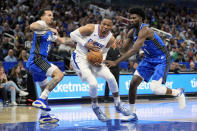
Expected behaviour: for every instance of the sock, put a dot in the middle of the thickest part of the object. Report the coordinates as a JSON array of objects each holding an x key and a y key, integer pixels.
[
  {"x": 94, "y": 105},
  {"x": 44, "y": 94},
  {"x": 117, "y": 100},
  {"x": 44, "y": 113},
  {"x": 132, "y": 108},
  {"x": 175, "y": 92}
]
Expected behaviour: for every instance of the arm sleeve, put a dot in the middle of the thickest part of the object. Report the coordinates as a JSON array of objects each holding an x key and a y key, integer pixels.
[{"x": 77, "y": 37}]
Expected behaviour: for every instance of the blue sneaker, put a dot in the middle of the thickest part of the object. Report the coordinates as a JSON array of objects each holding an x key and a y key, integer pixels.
[
  {"x": 47, "y": 119},
  {"x": 181, "y": 98},
  {"x": 121, "y": 109},
  {"x": 100, "y": 115},
  {"x": 42, "y": 104},
  {"x": 130, "y": 118}
]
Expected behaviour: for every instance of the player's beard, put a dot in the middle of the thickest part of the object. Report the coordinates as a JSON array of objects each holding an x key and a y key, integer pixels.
[
  {"x": 135, "y": 25},
  {"x": 104, "y": 32}
]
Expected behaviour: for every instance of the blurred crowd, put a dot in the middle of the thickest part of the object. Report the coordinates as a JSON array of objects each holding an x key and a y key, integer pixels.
[{"x": 17, "y": 15}]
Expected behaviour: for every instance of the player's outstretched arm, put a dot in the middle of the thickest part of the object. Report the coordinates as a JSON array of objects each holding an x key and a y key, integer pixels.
[
  {"x": 143, "y": 34},
  {"x": 35, "y": 26},
  {"x": 64, "y": 40}
]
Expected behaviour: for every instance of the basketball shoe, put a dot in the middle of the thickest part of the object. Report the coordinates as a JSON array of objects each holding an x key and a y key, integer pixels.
[
  {"x": 121, "y": 109},
  {"x": 47, "y": 119},
  {"x": 42, "y": 104},
  {"x": 181, "y": 98},
  {"x": 131, "y": 118},
  {"x": 100, "y": 115}
]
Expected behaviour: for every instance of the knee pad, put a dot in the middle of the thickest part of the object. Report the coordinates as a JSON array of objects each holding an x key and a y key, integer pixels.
[{"x": 157, "y": 88}]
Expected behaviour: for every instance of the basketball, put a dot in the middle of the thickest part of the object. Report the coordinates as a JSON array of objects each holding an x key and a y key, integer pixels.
[{"x": 94, "y": 56}]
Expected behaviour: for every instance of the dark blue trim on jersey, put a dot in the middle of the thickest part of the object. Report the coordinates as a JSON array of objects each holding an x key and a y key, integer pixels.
[{"x": 74, "y": 58}]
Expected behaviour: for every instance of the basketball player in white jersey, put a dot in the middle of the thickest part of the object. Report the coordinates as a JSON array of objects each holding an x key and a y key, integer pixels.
[{"x": 95, "y": 37}]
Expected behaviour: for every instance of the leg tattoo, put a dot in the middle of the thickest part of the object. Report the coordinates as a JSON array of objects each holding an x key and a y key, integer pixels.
[{"x": 51, "y": 85}]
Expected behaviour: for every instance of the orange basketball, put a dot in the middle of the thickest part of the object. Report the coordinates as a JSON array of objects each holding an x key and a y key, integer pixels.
[{"x": 94, "y": 57}]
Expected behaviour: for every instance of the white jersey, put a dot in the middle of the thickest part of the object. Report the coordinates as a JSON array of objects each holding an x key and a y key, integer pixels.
[{"x": 100, "y": 42}]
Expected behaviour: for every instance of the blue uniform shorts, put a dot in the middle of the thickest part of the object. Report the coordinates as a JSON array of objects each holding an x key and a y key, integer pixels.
[
  {"x": 38, "y": 68},
  {"x": 155, "y": 68}
]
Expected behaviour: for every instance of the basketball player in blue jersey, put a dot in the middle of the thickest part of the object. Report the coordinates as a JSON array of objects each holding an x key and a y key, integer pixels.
[
  {"x": 38, "y": 64},
  {"x": 155, "y": 64},
  {"x": 95, "y": 37}
]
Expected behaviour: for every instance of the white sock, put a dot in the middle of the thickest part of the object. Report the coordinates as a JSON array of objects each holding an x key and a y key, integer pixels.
[
  {"x": 94, "y": 105},
  {"x": 44, "y": 113},
  {"x": 117, "y": 100},
  {"x": 44, "y": 94},
  {"x": 175, "y": 92},
  {"x": 132, "y": 108}
]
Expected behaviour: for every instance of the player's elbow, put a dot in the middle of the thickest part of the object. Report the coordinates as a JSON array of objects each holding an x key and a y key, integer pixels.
[{"x": 72, "y": 35}]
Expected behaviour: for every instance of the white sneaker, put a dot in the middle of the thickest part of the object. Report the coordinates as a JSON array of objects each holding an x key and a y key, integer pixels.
[
  {"x": 14, "y": 103},
  {"x": 181, "y": 98},
  {"x": 23, "y": 93},
  {"x": 131, "y": 118}
]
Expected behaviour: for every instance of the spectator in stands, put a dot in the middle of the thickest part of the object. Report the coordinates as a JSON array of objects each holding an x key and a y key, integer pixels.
[
  {"x": 7, "y": 30},
  {"x": 192, "y": 67},
  {"x": 10, "y": 86},
  {"x": 4, "y": 95},
  {"x": 19, "y": 76},
  {"x": 174, "y": 67},
  {"x": 10, "y": 57},
  {"x": 180, "y": 58},
  {"x": 1, "y": 54},
  {"x": 23, "y": 56},
  {"x": 195, "y": 57}
]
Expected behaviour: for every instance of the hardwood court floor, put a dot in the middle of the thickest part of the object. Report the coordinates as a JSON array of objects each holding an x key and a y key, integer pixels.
[{"x": 153, "y": 116}]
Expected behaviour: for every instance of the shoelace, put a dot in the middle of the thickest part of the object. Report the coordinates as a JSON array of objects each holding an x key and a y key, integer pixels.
[{"x": 123, "y": 108}]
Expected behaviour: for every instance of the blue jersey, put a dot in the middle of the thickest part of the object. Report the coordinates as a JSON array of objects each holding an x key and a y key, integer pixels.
[
  {"x": 152, "y": 48},
  {"x": 156, "y": 61},
  {"x": 37, "y": 62},
  {"x": 41, "y": 44}
]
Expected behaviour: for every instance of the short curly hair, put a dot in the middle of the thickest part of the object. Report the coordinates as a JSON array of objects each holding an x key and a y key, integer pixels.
[{"x": 137, "y": 11}]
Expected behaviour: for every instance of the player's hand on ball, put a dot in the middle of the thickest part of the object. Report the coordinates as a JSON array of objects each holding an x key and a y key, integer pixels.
[
  {"x": 97, "y": 64},
  {"x": 95, "y": 58},
  {"x": 90, "y": 46},
  {"x": 110, "y": 63}
]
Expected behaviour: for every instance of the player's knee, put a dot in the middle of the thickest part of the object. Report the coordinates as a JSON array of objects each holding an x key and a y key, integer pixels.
[
  {"x": 61, "y": 75},
  {"x": 157, "y": 88},
  {"x": 93, "y": 91},
  {"x": 110, "y": 79},
  {"x": 153, "y": 87},
  {"x": 92, "y": 84},
  {"x": 58, "y": 75}
]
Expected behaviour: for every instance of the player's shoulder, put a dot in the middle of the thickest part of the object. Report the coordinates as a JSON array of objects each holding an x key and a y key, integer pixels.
[
  {"x": 145, "y": 31},
  {"x": 90, "y": 27}
]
